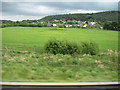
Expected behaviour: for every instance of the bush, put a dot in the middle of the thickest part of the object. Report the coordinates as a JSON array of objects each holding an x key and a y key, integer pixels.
[
  {"x": 90, "y": 48},
  {"x": 64, "y": 47}
]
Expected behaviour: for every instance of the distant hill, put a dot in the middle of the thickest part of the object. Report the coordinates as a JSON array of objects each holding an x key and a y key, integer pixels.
[{"x": 101, "y": 16}]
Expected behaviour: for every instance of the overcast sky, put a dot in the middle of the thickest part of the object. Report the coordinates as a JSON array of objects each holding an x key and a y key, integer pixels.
[{"x": 36, "y": 10}]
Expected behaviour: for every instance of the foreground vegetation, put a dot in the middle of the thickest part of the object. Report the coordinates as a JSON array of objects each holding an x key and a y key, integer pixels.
[
  {"x": 44, "y": 64},
  {"x": 34, "y": 67}
]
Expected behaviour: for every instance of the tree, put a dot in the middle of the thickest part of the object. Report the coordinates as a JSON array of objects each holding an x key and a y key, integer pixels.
[
  {"x": 111, "y": 26},
  {"x": 73, "y": 26},
  {"x": 44, "y": 24},
  {"x": 24, "y": 24},
  {"x": 70, "y": 22},
  {"x": 40, "y": 25}
]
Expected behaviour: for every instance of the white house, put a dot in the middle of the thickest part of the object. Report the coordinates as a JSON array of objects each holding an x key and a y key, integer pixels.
[
  {"x": 85, "y": 26},
  {"x": 56, "y": 20},
  {"x": 66, "y": 25},
  {"x": 101, "y": 27},
  {"x": 54, "y": 25},
  {"x": 70, "y": 25},
  {"x": 93, "y": 23}
]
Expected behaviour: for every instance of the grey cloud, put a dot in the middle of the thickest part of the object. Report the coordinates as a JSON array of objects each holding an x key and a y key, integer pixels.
[
  {"x": 82, "y": 5},
  {"x": 10, "y": 8},
  {"x": 14, "y": 8},
  {"x": 29, "y": 8}
]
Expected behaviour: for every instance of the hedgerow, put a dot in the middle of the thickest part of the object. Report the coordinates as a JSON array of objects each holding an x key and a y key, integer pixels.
[{"x": 66, "y": 47}]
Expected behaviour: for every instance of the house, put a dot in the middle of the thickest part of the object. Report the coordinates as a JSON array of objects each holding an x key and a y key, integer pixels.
[
  {"x": 93, "y": 23},
  {"x": 56, "y": 20},
  {"x": 78, "y": 24},
  {"x": 68, "y": 20},
  {"x": 64, "y": 21},
  {"x": 79, "y": 21},
  {"x": 70, "y": 25},
  {"x": 66, "y": 25},
  {"x": 49, "y": 24},
  {"x": 34, "y": 22},
  {"x": 84, "y": 26},
  {"x": 75, "y": 21},
  {"x": 55, "y": 24},
  {"x": 101, "y": 27},
  {"x": 81, "y": 25}
]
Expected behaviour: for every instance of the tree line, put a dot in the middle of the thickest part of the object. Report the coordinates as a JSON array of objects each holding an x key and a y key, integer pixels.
[
  {"x": 24, "y": 23},
  {"x": 97, "y": 17},
  {"x": 112, "y": 26}
]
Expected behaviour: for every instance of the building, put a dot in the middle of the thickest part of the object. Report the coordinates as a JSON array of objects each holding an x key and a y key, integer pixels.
[
  {"x": 34, "y": 22},
  {"x": 49, "y": 24},
  {"x": 66, "y": 25},
  {"x": 93, "y": 23},
  {"x": 84, "y": 26},
  {"x": 56, "y": 20},
  {"x": 55, "y": 24},
  {"x": 70, "y": 25}
]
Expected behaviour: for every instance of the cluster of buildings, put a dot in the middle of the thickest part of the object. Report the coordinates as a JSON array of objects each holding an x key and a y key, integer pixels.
[
  {"x": 74, "y": 23},
  {"x": 71, "y": 23}
]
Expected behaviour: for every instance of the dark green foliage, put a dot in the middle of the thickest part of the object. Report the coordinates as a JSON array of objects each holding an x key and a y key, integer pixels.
[
  {"x": 73, "y": 26},
  {"x": 64, "y": 47},
  {"x": 101, "y": 16},
  {"x": 70, "y": 22},
  {"x": 112, "y": 26},
  {"x": 24, "y": 23},
  {"x": 90, "y": 48}
]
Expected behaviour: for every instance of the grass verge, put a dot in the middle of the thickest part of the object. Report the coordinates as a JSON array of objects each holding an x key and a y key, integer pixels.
[{"x": 36, "y": 67}]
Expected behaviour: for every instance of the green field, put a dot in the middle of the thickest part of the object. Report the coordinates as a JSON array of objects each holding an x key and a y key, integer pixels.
[
  {"x": 35, "y": 67},
  {"x": 30, "y": 36},
  {"x": 26, "y": 66}
]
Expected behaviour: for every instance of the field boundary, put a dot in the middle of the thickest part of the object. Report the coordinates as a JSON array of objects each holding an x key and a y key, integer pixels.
[{"x": 18, "y": 47}]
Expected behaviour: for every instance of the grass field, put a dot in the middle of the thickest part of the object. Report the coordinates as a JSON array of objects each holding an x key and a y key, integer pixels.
[
  {"x": 35, "y": 67},
  {"x": 30, "y": 36},
  {"x": 45, "y": 67}
]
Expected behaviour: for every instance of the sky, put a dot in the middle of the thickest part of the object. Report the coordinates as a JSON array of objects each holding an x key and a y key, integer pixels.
[{"x": 23, "y": 10}]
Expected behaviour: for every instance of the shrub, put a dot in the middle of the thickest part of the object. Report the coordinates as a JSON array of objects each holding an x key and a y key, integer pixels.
[
  {"x": 89, "y": 48},
  {"x": 64, "y": 47}
]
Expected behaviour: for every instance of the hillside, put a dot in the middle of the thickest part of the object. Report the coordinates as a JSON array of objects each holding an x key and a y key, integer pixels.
[{"x": 101, "y": 16}]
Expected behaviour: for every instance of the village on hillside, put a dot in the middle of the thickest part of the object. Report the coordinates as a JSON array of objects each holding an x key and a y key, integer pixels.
[{"x": 71, "y": 23}]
